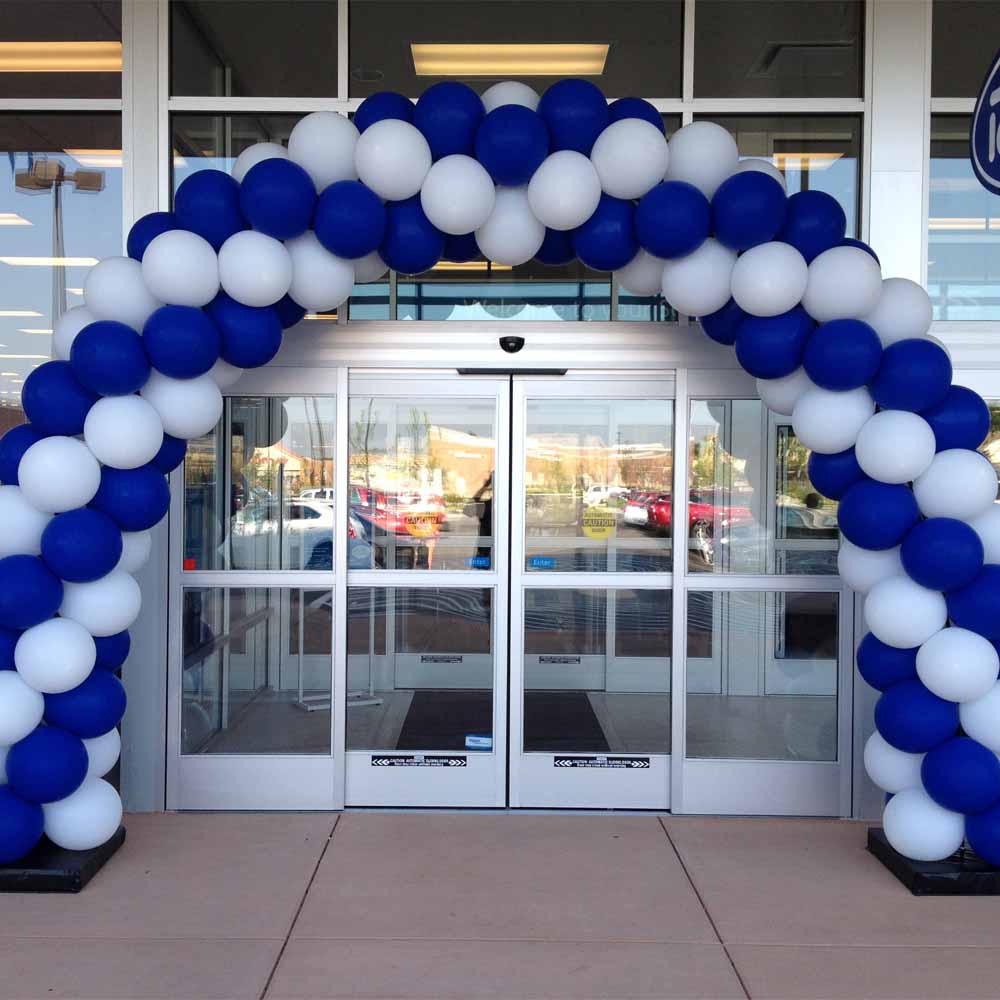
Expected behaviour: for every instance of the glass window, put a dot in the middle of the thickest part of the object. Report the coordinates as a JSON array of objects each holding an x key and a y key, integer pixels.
[
  {"x": 783, "y": 48},
  {"x": 964, "y": 40},
  {"x": 628, "y": 47},
  {"x": 963, "y": 239},
  {"x": 991, "y": 446}
]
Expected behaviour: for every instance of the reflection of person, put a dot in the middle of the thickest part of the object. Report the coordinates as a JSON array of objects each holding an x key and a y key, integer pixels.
[
  {"x": 484, "y": 498},
  {"x": 813, "y": 501}
]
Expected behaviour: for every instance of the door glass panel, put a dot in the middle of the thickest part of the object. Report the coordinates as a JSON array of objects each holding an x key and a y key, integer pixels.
[
  {"x": 596, "y": 670},
  {"x": 422, "y": 483},
  {"x": 762, "y": 675},
  {"x": 593, "y": 468},
  {"x": 419, "y": 669}
]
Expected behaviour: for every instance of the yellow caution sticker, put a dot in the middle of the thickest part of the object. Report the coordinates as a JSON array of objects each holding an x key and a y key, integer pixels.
[{"x": 598, "y": 523}]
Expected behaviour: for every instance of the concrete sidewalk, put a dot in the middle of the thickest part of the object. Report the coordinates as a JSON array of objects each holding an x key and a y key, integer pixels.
[{"x": 447, "y": 905}]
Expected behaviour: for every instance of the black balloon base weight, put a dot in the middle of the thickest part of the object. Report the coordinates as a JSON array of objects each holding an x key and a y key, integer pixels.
[
  {"x": 52, "y": 869},
  {"x": 963, "y": 874}
]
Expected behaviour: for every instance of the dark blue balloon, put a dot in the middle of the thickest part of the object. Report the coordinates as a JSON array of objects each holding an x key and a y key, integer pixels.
[
  {"x": 511, "y": 144},
  {"x": 112, "y": 650},
  {"x": 942, "y": 553},
  {"x": 635, "y": 107},
  {"x": 461, "y": 249},
  {"x": 772, "y": 346},
  {"x": 21, "y": 826},
  {"x": 250, "y": 335},
  {"x": 960, "y": 420},
  {"x": 448, "y": 114},
  {"x": 278, "y": 198},
  {"x": 983, "y": 833},
  {"x": 8, "y": 640},
  {"x": 576, "y": 113},
  {"x": 47, "y": 765},
  {"x": 54, "y": 400},
  {"x": 146, "y": 230},
  {"x": 557, "y": 248},
  {"x": 914, "y": 375},
  {"x": 606, "y": 241},
  {"x": 13, "y": 445},
  {"x": 849, "y": 241},
  {"x": 350, "y": 219},
  {"x": 412, "y": 245},
  {"x": 974, "y": 606},
  {"x": 181, "y": 341},
  {"x": 833, "y": 475},
  {"x": 29, "y": 592},
  {"x": 208, "y": 203},
  {"x": 673, "y": 219},
  {"x": 747, "y": 209},
  {"x": 109, "y": 358},
  {"x": 842, "y": 354},
  {"x": 722, "y": 326},
  {"x": 911, "y": 718},
  {"x": 81, "y": 545},
  {"x": 881, "y": 666},
  {"x": 135, "y": 499},
  {"x": 877, "y": 515},
  {"x": 170, "y": 455},
  {"x": 289, "y": 311},
  {"x": 91, "y": 709},
  {"x": 961, "y": 775},
  {"x": 815, "y": 222},
  {"x": 378, "y": 107}
]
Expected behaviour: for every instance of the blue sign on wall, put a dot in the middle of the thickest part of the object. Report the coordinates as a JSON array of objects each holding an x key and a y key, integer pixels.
[{"x": 984, "y": 137}]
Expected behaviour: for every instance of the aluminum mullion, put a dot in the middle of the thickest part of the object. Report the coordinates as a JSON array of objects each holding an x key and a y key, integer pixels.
[
  {"x": 597, "y": 581},
  {"x": 764, "y": 582},
  {"x": 678, "y": 601},
  {"x": 61, "y": 104},
  {"x": 338, "y": 691},
  {"x": 309, "y": 579}
]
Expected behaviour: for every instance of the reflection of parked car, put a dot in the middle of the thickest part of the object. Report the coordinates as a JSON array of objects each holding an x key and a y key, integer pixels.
[
  {"x": 305, "y": 528},
  {"x": 602, "y": 494},
  {"x": 324, "y": 493},
  {"x": 637, "y": 506},
  {"x": 702, "y": 516},
  {"x": 409, "y": 513}
]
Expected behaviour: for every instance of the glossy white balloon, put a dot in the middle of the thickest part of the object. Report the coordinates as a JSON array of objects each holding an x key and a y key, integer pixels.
[
  {"x": 86, "y": 819},
  {"x": 371, "y": 267},
  {"x": 630, "y": 157},
  {"x": 781, "y": 394},
  {"x": 862, "y": 568},
  {"x": 891, "y": 769},
  {"x": 987, "y": 526},
  {"x": 67, "y": 327},
  {"x": 187, "y": 407},
  {"x": 223, "y": 374},
  {"x": 105, "y": 606},
  {"x": 703, "y": 154},
  {"x": 103, "y": 753},
  {"x": 253, "y": 155},
  {"x": 958, "y": 665},
  {"x": 764, "y": 166},
  {"x": 903, "y": 311},
  {"x": 392, "y": 158},
  {"x": 769, "y": 279},
  {"x": 844, "y": 283},
  {"x": 123, "y": 431},
  {"x": 136, "y": 546},
  {"x": 827, "y": 421},
  {"x": 457, "y": 195},
  {"x": 917, "y": 827},
  {"x": 21, "y": 708},
  {"x": 699, "y": 284},
  {"x": 509, "y": 92},
  {"x": 55, "y": 656},
  {"x": 59, "y": 474},
  {"x": 254, "y": 269},
  {"x": 980, "y": 718},
  {"x": 511, "y": 235},
  {"x": 958, "y": 483},
  {"x": 321, "y": 281},
  {"x": 23, "y": 523},
  {"x": 642, "y": 275},
  {"x": 901, "y": 613},
  {"x": 324, "y": 145},
  {"x": 565, "y": 190},
  {"x": 118, "y": 288},
  {"x": 895, "y": 446},
  {"x": 181, "y": 268}
]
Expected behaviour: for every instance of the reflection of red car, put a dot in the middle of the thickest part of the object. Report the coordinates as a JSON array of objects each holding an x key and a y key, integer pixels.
[
  {"x": 406, "y": 513},
  {"x": 701, "y": 515}
]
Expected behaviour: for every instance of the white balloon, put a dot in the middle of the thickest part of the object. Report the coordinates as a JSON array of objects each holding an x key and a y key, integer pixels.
[
  {"x": 903, "y": 311},
  {"x": 891, "y": 769},
  {"x": 105, "y": 606},
  {"x": 67, "y": 327},
  {"x": 86, "y": 819},
  {"x": 903, "y": 614},
  {"x": 895, "y": 446},
  {"x": 188, "y": 408},
  {"x": 123, "y": 431},
  {"x": 392, "y": 158},
  {"x": 23, "y": 523},
  {"x": 987, "y": 526},
  {"x": 958, "y": 665},
  {"x": 254, "y": 269},
  {"x": 565, "y": 190},
  {"x": 630, "y": 157},
  {"x": 118, "y": 288},
  {"x": 136, "y": 546},
  {"x": 511, "y": 235},
  {"x": 764, "y": 166},
  {"x": 769, "y": 279},
  {"x": 958, "y": 483},
  {"x": 21, "y": 708},
  {"x": 457, "y": 195},
  {"x": 920, "y": 829},
  {"x": 55, "y": 656},
  {"x": 510, "y": 92},
  {"x": 103, "y": 753},
  {"x": 371, "y": 267},
  {"x": 844, "y": 283},
  {"x": 253, "y": 155},
  {"x": 862, "y": 568},
  {"x": 59, "y": 474},
  {"x": 321, "y": 281},
  {"x": 223, "y": 374},
  {"x": 323, "y": 144},
  {"x": 980, "y": 718},
  {"x": 827, "y": 421},
  {"x": 703, "y": 154},
  {"x": 642, "y": 275},
  {"x": 699, "y": 284},
  {"x": 781, "y": 394},
  {"x": 181, "y": 268}
]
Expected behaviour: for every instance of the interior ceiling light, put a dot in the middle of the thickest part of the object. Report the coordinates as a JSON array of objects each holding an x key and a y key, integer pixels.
[
  {"x": 96, "y": 157},
  {"x": 805, "y": 161},
  {"x": 60, "y": 57},
  {"x": 33, "y": 329},
  {"x": 13, "y": 219},
  {"x": 977, "y": 225},
  {"x": 471, "y": 265},
  {"x": 508, "y": 60},
  {"x": 49, "y": 261},
  {"x": 19, "y": 313},
  {"x": 320, "y": 316},
  {"x": 26, "y": 357}
]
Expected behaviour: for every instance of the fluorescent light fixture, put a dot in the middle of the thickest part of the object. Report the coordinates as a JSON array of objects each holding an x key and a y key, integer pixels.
[
  {"x": 60, "y": 57},
  {"x": 962, "y": 223},
  {"x": 49, "y": 261},
  {"x": 14, "y": 374},
  {"x": 75, "y": 291},
  {"x": 327, "y": 316},
  {"x": 96, "y": 157},
  {"x": 33, "y": 329},
  {"x": 19, "y": 313},
  {"x": 21, "y": 357},
  {"x": 13, "y": 219},
  {"x": 508, "y": 60},
  {"x": 805, "y": 161},
  {"x": 471, "y": 265}
]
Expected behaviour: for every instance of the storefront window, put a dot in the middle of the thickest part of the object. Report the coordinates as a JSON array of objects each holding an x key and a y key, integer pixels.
[{"x": 964, "y": 42}]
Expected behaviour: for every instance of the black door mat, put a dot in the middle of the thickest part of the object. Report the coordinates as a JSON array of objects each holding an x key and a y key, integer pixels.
[
  {"x": 561, "y": 721},
  {"x": 441, "y": 719}
]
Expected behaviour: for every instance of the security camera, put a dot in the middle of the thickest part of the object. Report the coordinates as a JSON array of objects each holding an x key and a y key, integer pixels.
[{"x": 511, "y": 344}]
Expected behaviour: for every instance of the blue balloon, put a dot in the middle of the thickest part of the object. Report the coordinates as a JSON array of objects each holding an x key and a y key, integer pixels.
[
  {"x": 974, "y": 606},
  {"x": 877, "y": 515},
  {"x": 29, "y": 592},
  {"x": 109, "y": 358},
  {"x": 181, "y": 341},
  {"x": 289, "y": 311},
  {"x": 250, "y": 335},
  {"x": 833, "y": 475},
  {"x": 772, "y": 346},
  {"x": 635, "y": 107},
  {"x": 112, "y": 650},
  {"x": 748, "y": 208},
  {"x": 21, "y": 826},
  {"x": 135, "y": 499},
  {"x": 91, "y": 709},
  {"x": 881, "y": 666},
  {"x": 815, "y": 222},
  {"x": 208, "y": 203},
  {"x": 511, "y": 144},
  {"x": 350, "y": 219},
  {"x": 8, "y": 640},
  {"x": 378, "y": 107},
  {"x": 960, "y": 420},
  {"x": 673, "y": 219},
  {"x": 942, "y": 553},
  {"x": 723, "y": 326},
  {"x": 842, "y": 354},
  {"x": 146, "y": 230},
  {"x": 461, "y": 249},
  {"x": 849, "y": 241},
  {"x": 412, "y": 245},
  {"x": 576, "y": 113},
  {"x": 54, "y": 400},
  {"x": 47, "y": 765},
  {"x": 278, "y": 198},
  {"x": 983, "y": 833},
  {"x": 911, "y": 718},
  {"x": 170, "y": 455},
  {"x": 81, "y": 545},
  {"x": 914, "y": 375},
  {"x": 606, "y": 241},
  {"x": 448, "y": 114},
  {"x": 13, "y": 445},
  {"x": 557, "y": 248},
  {"x": 961, "y": 775}
]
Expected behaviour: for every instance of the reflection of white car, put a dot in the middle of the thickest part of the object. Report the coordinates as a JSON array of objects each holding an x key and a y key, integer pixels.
[
  {"x": 305, "y": 533},
  {"x": 324, "y": 493},
  {"x": 602, "y": 494}
]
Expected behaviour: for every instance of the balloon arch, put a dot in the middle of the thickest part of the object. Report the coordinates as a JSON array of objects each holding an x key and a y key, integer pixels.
[{"x": 206, "y": 291}]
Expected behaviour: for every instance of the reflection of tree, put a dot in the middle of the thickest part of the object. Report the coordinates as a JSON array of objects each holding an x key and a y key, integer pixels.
[{"x": 360, "y": 434}]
